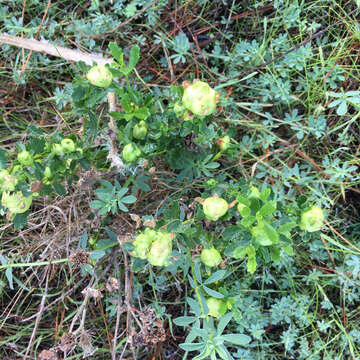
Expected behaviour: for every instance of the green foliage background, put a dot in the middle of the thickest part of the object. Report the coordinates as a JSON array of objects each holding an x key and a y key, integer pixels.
[{"x": 287, "y": 75}]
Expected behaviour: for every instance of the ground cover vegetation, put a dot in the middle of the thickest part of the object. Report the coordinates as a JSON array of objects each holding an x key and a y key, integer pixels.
[{"x": 196, "y": 198}]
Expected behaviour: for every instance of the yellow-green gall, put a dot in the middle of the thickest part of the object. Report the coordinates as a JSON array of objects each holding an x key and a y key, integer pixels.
[
  {"x": 210, "y": 257},
  {"x": 17, "y": 203},
  {"x": 130, "y": 152},
  {"x": 160, "y": 250},
  {"x": 68, "y": 146},
  {"x": 7, "y": 181},
  {"x": 217, "y": 307},
  {"x": 215, "y": 207},
  {"x": 312, "y": 219},
  {"x": 100, "y": 75},
  {"x": 199, "y": 98},
  {"x": 25, "y": 158}
]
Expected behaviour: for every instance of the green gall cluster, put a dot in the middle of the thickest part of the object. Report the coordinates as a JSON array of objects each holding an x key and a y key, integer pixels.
[
  {"x": 100, "y": 75},
  {"x": 217, "y": 307},
  {"x": 67, "y": 146},
  {"x": 17, "y": 203},
  {"x": 211, "y": 182},
  {"x": 210, "y": 257},
  {"x": 155, "y": 246},
  {"x": 130, "y": 152},
  {"x": 215, "y": 207},
  {"x": 25, "y": 158},
  {"x": 7, "y": 181},
  {"x": 312, "y": 219},
  {"x": 140, "y": 130},
  {"x": 199, "y": 98}
]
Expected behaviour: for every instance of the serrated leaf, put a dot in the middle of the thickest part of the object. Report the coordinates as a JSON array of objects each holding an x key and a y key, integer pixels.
[
  {"x": 271, "y": 233},
  {"x": 240, "y": 252},
  {"x": 134, "y": 57},
  {"x": 285, "y": 229},
  {"x": 20, "y": 220},
  {"x": 268, "y": 208},
  {"x": 142, "y": 114},
  {"x": 265, "y": 194},
  {"x": 251, "y": 264},
  {"x": 117, "y": 53}
]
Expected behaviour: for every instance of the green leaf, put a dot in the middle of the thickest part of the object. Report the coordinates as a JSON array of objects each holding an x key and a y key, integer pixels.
[
  {"x": 121, "y": 193},
  {"x": 142, "y": 113},
  {"x": 3, "y": 159},
  {"x": 212, "y": 165},
  {"x": 36, "y": 145},
  {"x": 194, "y": 306},
  {"x": 268, "y": 208},
  {"x": 197, "y": 270},
  {"x": 192, "y": 346},
  {"x": 251, "y": 265},
  {"x": 97, "y": 254},
  {"x": 223, "y": 353},
  {"x": 285, "y": 229},
  {"x": 60, "y": 190},
  {"x": 122, "y": 207},
  {"x": 223, "y": 322},
  {"x": 9, "y": 276},
  {"x": 248, "y": 221},
  {"x": 117, "y": 53},
  {"x": 205, "y": 353},
  {"x": 130, "y": 199},
  {"x": 275, "y": 254},
  {"x": 342, "y": 109},
  {"x": 213, "y": 293},
  {"x": 83, "y": 241},
  {"x": 288, "y": 249},
  {"x": 97, "y": 204},
  {"x": 184, "y": 320},
  {"x": 237, "y": 339},
  {"x": 218, "y": 275},
  {"x": 104, "y": 194},
  {"x": 240, "y": 252},
  {"x": 20, "y": 220},
  {"x": 271, "y": 233},
  {"x": 134, "y": 57},
  {"x": 265, "y": 194}
]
